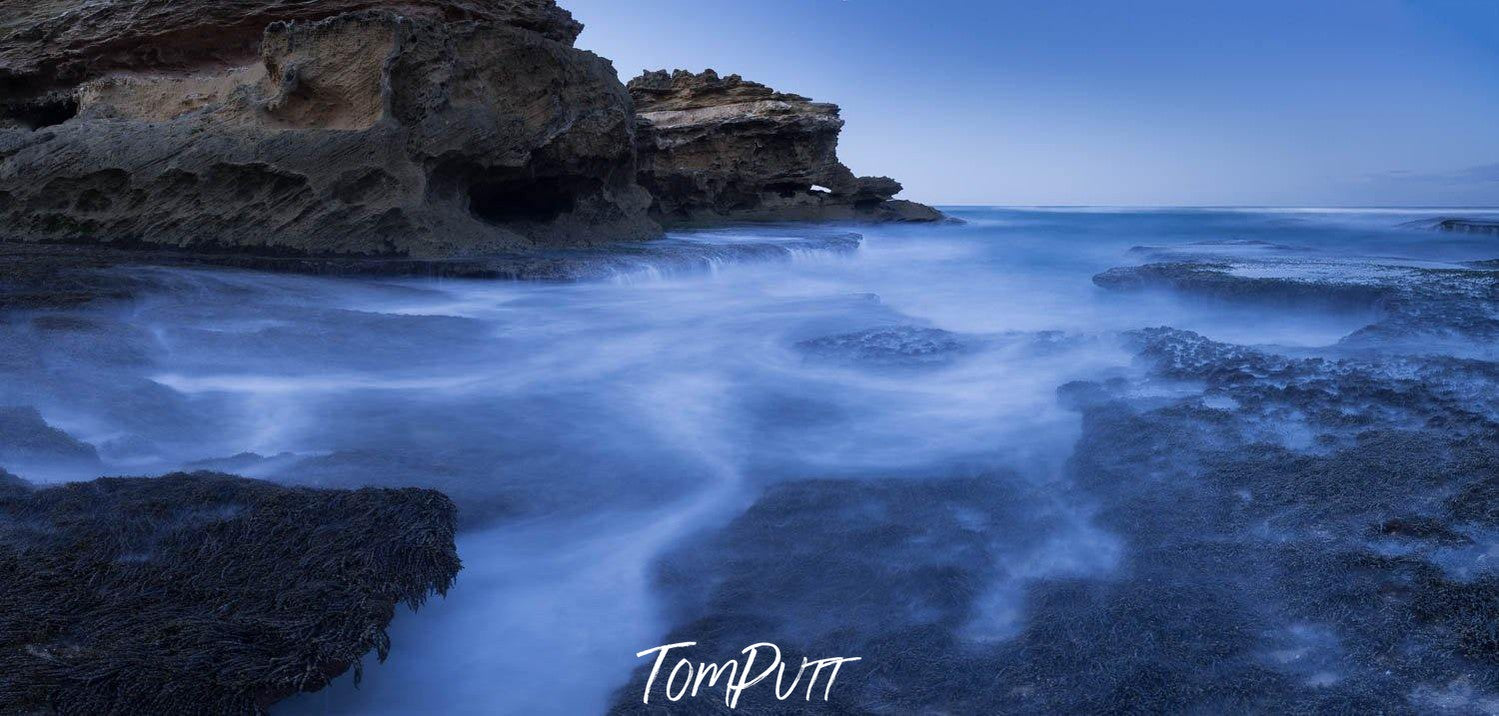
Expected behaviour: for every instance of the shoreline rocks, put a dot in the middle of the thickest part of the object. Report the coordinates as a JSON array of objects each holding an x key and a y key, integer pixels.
[
  {"x": 1487, "y": 227},
  {"x": 1413, "y": 306},
  {"x": 52, "y": 276},
  {"x": 426, "y": 130},
  {"x": 204, "y": 592},
  {"x": 439, "y": 130},
  {"x": 722, "y": 149}
]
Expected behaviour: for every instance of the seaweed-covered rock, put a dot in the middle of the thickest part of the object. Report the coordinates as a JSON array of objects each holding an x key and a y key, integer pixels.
[
  {"x": 426, "y": 129},
  {"x": 203, "y": 592},
  {"x": 722, "y": 148},
  {"x": 1298, "y": 512}
]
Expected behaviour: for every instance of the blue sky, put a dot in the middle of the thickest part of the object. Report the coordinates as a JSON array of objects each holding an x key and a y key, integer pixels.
[{"x": 1107, "y": 102}]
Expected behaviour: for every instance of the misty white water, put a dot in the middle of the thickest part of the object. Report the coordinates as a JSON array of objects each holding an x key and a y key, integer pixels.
[{"x": 586, "y": 428}]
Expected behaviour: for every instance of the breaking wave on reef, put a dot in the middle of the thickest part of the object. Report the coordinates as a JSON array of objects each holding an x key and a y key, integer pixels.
[{"x": 1048, "y": 460}]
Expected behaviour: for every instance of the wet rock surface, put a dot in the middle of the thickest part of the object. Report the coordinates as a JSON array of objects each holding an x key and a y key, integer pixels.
[
  {"x": 204, "y": 592},
  {"x": 1260, "y": 568},
  {"x": 1306, "y": 458},
  {"x": 1298, "y": 529},
  {"x": 1182, "y": 522},
  {"x": 26, "y": 437},
  {"x": 1483, "y": 227},
  {"x": 716, "y": 149},
  {"x": 913, "y": 575},
  {"x": 901, "y": 346},
  {"x": 1416, "y": 301},
  {"x": 54, "y": 276}
]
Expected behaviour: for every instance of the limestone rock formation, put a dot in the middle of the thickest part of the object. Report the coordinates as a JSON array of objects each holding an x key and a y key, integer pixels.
[
  {"x": 204, "y": 593},
  {"x": 423, "y": 129},
  {"x": 722, "y": 148},
  {"x": 428, "y": 128}
]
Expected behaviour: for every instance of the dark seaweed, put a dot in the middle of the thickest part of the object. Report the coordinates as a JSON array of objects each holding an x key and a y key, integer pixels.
[{"x": 204, "y": 593}]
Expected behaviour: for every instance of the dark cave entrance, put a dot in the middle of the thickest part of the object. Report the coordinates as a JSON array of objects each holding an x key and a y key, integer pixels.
[
  {"x": 43, "y": 112},
  {"x": 787, "y": 190},
  {"x": 506, "y": 200}
]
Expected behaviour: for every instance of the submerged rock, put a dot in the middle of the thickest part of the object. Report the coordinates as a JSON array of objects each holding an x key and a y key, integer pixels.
[
  {"x": 722, "y": 148},
  {"x": 1274, "y": 539},
  {"x": 1415, "y": 302},
  {"x": 44, "y": 276},
  {"x": 1215, "y": 249},
  {"x": 1488, "y": 227},
  {"x": 26, "y": 438},
  {"x": 204, "y": 592},
  {"x": 899, "y": 346},
  {"x": 1270, "y": 282},
  {"x": 912, "y": 576},
  {"x": 1262, "y": 527},
  {"x": 47, "y": 276},
  {"x": 426, "y": 129},
  {"x": 1468, "y": 226}
]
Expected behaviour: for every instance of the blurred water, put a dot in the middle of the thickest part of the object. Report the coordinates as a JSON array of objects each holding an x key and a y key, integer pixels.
[{"x": 585, "y": 428}]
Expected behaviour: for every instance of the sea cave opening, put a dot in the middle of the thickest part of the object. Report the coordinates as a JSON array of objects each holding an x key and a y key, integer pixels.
[
  {"x": 503, "y": 200},
  {"x": 41, "y": 112}
]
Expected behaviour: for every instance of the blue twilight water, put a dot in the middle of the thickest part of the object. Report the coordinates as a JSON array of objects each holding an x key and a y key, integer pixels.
[{"x": 588, "y": 429}]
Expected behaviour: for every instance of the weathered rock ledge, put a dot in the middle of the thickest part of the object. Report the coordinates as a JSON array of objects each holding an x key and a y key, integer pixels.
[
  {"x": 421, "y": 129},
  {"x": 203, "y": 592},
  {"x": 715, "y": 149},
  {"x": 435, "y": 128}
]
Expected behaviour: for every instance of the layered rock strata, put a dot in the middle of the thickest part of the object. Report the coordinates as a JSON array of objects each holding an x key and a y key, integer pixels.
[
  {"x": 425, "y": 129},
  {"x": 431, "y": 129},
  {"x": 716, "y": 149}
]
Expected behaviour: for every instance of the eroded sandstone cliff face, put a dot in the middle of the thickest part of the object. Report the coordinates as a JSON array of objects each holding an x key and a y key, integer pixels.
[
  {"x": 432, "y": 128},
  {"x": 722, "y": 148},
  {"x": 424, "y": 129}
]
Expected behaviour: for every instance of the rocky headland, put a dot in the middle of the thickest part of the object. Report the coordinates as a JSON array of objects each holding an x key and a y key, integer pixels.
[
  {"x": 425, "y": 130},
  {"x": 423, "y": 137},
  {"x": 715, "y": 149},
  {"x": 430, "y": 129}
]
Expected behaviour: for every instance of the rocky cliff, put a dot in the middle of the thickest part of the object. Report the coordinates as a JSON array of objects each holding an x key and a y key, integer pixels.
[
  {"x": 431, "y": 128},
  {"x": 722, "y": 148},
  {"x": 420, "y": 129}
]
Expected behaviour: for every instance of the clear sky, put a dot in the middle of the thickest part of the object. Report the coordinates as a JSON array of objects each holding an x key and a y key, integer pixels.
[{"x": 1108, "y": 102}]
